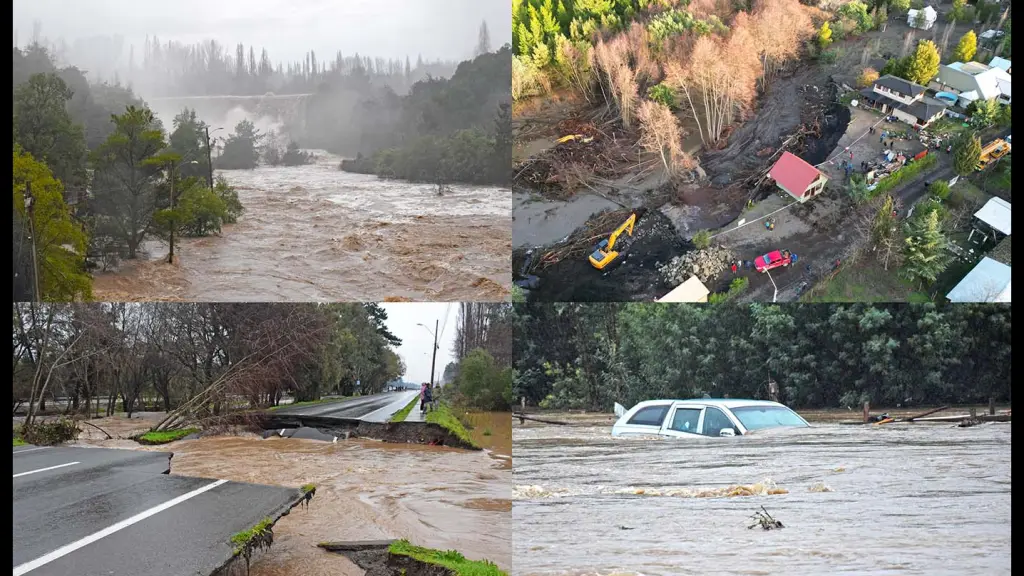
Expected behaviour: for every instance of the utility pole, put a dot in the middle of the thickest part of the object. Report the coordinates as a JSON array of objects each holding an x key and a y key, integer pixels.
[
  {"x": 209, "y": 159},
  {"x": 170, "y": 257},
  {"x": 433, "y": 358},
  {"x": 30, "y": 209}
]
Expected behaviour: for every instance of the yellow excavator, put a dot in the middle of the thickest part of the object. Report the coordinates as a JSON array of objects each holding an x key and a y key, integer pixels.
[{"x": 604, "y": 253}]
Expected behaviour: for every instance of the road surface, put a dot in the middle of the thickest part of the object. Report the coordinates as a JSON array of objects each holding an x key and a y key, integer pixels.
[
  {"x": 375, "y": 408},
  {"x": 119, "y": 513}
]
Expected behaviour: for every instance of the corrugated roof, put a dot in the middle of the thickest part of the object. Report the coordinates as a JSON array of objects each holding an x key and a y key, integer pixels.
[
  {"x": 693, "y": 290},
  {"x": 989, "y": 281},
  {"x": 996, "y": 213},
  {"x": 793, "y": 173},
  {"x": 1001, "y": 63}
]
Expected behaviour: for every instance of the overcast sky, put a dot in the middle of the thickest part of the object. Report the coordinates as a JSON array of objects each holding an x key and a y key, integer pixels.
[
  {"x": 437, "y": 29},
  {"x": 403, "y": 318}
]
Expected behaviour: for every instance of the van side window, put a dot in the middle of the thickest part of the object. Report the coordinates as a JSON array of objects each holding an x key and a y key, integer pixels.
[
  {"x": 650, "y": 416},
  {"x": 715, "y": 421},
  {"x": 685, "y": 420}
]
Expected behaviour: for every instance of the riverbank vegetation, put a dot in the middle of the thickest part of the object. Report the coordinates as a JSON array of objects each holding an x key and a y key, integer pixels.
[
  {"x": 102, "y": 175},
  {"x": 197, "y": 362},
  {"x": 451, "y": 559},
  {"x": 481, "y": 376},
  {"x": 454, "y": 129},
  {"x": 588, "y": 356},
  {"x": 165, "y": 437}
]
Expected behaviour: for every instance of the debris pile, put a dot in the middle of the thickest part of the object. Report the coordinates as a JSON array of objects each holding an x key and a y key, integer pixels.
[
  {"x": 704, "y": 264},
  {"x": 563, "y": 169},
  {"x": 763, "y": 519}
]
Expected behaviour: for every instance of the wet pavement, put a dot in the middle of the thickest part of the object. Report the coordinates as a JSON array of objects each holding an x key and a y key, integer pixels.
[
  {"x": 118, "y": 513},
  {"x": 315, "y": 233},
  {"x": 904, "y": 499},
  {"x": 374, "y": 408}
]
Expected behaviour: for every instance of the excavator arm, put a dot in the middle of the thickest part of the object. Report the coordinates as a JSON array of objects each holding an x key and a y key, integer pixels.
[{"x": 626, "y": 226}]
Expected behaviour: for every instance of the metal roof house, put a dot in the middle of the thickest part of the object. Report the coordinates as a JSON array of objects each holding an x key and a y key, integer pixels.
[
  {"x": 989, "y": 281},
  {"x": 973, "y": 81},
  {"x": 905, "y": 100},
  {"x": 797, "y": 178}
]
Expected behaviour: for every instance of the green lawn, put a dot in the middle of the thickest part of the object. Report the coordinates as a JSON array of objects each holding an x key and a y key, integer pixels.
[
  {"x": 866, "y": 281},
  {"x": 450, "y": 559},
  {"x": 445, "y": 418},
  {"x": 19, "y": 442},
  {"x": 165, "y": 436},
  {"x": 402, "y": 414}
]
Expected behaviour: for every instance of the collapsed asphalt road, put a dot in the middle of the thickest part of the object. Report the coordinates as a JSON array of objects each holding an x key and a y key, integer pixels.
[
  {"x": 374, "y": 408},
  {"x": 120, "y": 513}
]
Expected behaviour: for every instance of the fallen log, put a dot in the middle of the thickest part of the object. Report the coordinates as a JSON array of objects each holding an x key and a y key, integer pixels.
[
  {"x": 928, "y": 413},
  {"x": 523, "y": 417}
]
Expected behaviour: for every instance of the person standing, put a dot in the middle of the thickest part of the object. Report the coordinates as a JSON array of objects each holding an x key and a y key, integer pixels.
[{"x": 423, "y": 396}]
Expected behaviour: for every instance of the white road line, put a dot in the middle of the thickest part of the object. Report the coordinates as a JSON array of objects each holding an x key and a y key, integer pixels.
[
  {"x": 45, "y": 469},
  {"x": 65, "y": 550},
  {"x": 31, "y": 449}
]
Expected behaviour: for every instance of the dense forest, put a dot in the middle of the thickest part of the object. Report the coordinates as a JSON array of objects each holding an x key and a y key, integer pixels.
[
  {"x": 103, "y": 357},
  {"x": 837, "y": 355},
  {"x": 445, "y": 130},
  {"x": 208, "y": 68},
  {"x": 481, "y": 375}
]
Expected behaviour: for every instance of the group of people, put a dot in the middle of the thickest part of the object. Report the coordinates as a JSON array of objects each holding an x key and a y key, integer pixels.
[{"x": 426, "y": 397}]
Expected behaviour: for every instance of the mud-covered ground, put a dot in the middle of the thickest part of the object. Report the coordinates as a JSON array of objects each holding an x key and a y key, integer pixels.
[
  {"x": 633, "y": 277},
  {"x": 805, "y": 101}
]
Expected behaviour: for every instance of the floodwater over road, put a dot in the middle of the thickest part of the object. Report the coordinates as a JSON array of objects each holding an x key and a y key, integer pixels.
[
  {"x": 365, "y": 490},
  {"x": 315, "y": 233},
  {"x": 910, "y": 499}
]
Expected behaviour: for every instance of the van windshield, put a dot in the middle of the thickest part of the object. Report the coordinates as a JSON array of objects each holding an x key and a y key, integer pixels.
[{"x": 761, "y": 417}]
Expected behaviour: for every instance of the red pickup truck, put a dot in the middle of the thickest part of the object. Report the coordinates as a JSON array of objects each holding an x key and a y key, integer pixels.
[{"x": 773, "y": 259}]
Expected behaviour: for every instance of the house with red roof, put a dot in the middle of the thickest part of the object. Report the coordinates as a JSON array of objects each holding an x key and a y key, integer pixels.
[{"x": 798, "y": 178}]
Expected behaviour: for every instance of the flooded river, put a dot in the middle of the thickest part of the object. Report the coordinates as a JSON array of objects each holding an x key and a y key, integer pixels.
[
  {"x": 366, "y": 490},
  {"x": 896, "y": 500},
  {"x": 314, "y": 233}
]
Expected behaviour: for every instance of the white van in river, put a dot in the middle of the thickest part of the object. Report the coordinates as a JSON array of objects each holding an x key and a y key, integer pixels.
[{"x": 703, "y": 417}]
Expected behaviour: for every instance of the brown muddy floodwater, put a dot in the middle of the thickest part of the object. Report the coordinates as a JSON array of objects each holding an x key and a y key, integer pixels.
[
  {"x": 366, "y": 490},
  {"x": 315, "y": 233},
  {"x": 913, "y": 499}
]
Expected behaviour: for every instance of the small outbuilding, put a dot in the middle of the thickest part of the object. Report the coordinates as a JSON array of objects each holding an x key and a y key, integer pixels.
[
  {"x": 922, "y": 19},
  {"x": 797, "y": 178},
  {"x": 992, "y": 220},
  {"x": 988, "y": 281},
  {"x": 693, "y": 290}
]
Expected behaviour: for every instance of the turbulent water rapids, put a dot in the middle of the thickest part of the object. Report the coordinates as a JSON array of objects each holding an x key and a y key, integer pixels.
[{"x": 314, "y": 233}]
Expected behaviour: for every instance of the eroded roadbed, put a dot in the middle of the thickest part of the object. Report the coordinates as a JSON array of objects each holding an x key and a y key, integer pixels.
[{"x": 120, "y": 513}]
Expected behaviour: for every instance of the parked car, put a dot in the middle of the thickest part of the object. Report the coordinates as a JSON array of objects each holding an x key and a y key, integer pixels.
[
  {"x": 703, "y": 417},
  {"x": 773, "y": 259}
]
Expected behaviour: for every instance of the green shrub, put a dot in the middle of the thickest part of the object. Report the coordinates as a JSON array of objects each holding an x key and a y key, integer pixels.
[
  {"x": 50, "y": 432},
  {"x": 939, "y": 189},
  {"x": 702, "y": 239}
]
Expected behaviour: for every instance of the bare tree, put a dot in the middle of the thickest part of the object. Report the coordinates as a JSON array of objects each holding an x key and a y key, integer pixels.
[{"x": 661, "y": 134}]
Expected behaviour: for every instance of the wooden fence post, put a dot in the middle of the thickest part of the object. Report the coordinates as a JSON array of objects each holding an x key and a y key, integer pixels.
[
  {"x": 867, "y": 410},
  {"x": 992, "y": 406}
]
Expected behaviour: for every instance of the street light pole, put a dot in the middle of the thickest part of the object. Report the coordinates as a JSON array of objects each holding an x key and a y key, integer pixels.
[
  {"x": 30, "y": 210},
  {"x": 775, "y": 296},
  {"x": 433, "y": 356},
  {"x": 170, "y": 257},
  {"x": 209, "y": 159}
]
